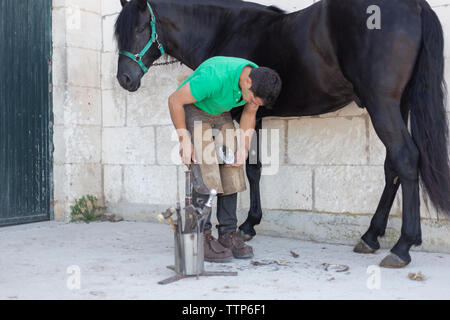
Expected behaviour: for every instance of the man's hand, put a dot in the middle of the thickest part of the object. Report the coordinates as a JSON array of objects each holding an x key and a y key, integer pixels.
[{"x": 187, "y": 153}]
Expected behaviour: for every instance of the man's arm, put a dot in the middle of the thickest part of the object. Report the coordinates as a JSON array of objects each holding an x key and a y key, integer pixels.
[
  {"x": 247, "y": 127},
  {"x": 177, "y": 100}
]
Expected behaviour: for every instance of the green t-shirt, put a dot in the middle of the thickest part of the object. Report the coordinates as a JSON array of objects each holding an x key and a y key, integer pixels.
[{"x": 215, "y": 84}]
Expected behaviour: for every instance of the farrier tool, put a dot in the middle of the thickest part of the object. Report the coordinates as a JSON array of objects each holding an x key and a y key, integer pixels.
[{"x": 189, "y": 247}]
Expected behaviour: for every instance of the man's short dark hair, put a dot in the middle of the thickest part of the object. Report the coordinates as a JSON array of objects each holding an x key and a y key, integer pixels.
[{"x": 266, "y": 84}]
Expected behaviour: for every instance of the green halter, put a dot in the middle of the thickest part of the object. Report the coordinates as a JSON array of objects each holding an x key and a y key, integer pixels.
[{"x": 138, "y": 56}]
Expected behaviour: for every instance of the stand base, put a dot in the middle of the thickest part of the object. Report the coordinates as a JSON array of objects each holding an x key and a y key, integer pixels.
[{"x": 203, "y": 274}]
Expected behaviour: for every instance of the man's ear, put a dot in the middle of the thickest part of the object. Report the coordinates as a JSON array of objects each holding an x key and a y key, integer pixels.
[
  {"x": 142, "y": 4},
  {"x": 248, "y": 82}
]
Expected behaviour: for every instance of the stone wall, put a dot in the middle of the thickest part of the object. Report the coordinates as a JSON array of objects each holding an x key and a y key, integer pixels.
[
  {"x": 77, "y": 102},
  {"x": 119, "y": 145}
]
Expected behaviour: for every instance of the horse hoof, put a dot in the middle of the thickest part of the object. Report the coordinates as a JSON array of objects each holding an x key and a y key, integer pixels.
[
  {"x": 393, "y": 261},
  {"x": 243, "y": 236},
  {"x": 363, "y": 247}
]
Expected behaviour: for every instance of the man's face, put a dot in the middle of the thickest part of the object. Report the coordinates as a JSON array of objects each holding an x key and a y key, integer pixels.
[{"x": 249, "y": 96}]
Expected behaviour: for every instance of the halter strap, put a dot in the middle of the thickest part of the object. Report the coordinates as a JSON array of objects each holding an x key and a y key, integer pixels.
[{"x": 138, "y": 56}]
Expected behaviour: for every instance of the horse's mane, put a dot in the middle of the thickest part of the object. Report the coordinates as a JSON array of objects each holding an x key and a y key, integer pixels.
[
  {"x": 127, "y": 20},
  {"x": 125, "y": 24}
]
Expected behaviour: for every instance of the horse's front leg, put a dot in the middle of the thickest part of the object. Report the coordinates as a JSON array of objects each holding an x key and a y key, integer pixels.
[{"x": 253, "y": 171}]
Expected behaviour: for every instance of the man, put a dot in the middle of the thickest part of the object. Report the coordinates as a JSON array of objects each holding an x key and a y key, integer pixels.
[{"x": 200, "y": 105}]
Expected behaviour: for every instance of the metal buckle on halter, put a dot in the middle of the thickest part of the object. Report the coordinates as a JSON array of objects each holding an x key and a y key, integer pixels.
[{"x": 137, "y": 57}]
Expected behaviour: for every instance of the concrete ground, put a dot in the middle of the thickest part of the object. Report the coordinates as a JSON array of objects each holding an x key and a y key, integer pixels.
[{"x": 125, "y": 260}]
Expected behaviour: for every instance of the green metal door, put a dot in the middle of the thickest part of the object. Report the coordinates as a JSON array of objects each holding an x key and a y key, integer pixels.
[{"x": 25, "y": 111}]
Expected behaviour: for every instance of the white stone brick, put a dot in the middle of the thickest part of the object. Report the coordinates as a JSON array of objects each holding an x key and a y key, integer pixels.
[
  {"x": 128, "y": 145},
  {"x": 86, "y": 5},
  {"x": 60, "y": 186},
  {"x": 109, "y": 72},
  {"x": 354, "y": 189},
  {"x": 327, "y": 141},
  {"x": 435, "y": 3},
  {"x": 447, "y": 79},
  {"x": 443, "y": 13},
  {"x": 84, "y": 179},
  {"x": 112, "y": 180},
  {"x": 82, "y": 106},
  {"x": 114, "y": 108},
  {"x": 244, "y": 196},
  {"x": 274, "y": 127},
  {"x": 167, "y": 146},
  {"x": 83, "y": 29},
  {"x": 83, "y": 67},
  {"x": 76, "y": 106},
  {"x": 58, "y": 95},
  {"x": 109, "y": 43},
  {"x": 151, "y": 184},
  {"x": 82, "y": 144},
  {"x": 59, "y": 67},
  {"x": 289, "y": 189},
  {"x": 59, "y": 143},
  {"x": 111, "y": 7},
  {"x": 58, "y": 27},
  {"x": 148, "y": 107}
]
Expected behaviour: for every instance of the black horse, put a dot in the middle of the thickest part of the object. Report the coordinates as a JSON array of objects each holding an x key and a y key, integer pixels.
[{"x": 327, "y": 55}]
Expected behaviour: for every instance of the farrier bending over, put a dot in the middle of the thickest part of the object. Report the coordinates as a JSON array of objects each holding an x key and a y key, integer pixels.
[{"x": 202, "y": 103}]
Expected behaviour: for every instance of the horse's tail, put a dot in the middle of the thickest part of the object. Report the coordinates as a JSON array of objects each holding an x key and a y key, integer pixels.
[{"x": 426, "y": 96}]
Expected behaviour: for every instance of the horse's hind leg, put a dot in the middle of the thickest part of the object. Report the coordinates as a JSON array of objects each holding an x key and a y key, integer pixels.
[
  {"x": 403, "y": 154},
  {"x": 369, "y": 241}
]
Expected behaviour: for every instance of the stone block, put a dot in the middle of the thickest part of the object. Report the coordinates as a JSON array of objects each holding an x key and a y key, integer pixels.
[
  {"x": 289, "y": 189},
  {"x": 60, "y": 186},
  {"x": 128, "y": 146},
  {"x": 114, "y": 108},
  {"x": 167, "y": 146},
  {"x": 436, "y": 3},
  {"x": 111, "y": 7},
  {"x": 447, "y": 79},
  {"x": 113, "y": 183},
  {"x": 443, "y": 13},
  {"x": 272, "y": 143},
  {"x": 83, "y": 29},
  {"x": 59, "y": 67},
  {"x": 348, "y": 189},
  {"x": 82, "y": 106},
  {"x": 59, "y": 95},
  {"x": 109, "y": 43},
  {"x": 83, "y": 68},
  {"x": 109, "y": 72},
  {"x": 327, "y": 141},
  {"x": 58, "y": 27},
  {"x": 85, "y": 5},
  {"x": 148, "y": 107},
  {"x": 150, "y": 184},
  {"x": 77, "y": 144},
  {"x": 84, "y": 179}
]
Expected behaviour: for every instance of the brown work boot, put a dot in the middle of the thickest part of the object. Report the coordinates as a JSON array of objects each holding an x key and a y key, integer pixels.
[
  {"x": 214, "y": 251},
  {"x": 239, "y": 249}
]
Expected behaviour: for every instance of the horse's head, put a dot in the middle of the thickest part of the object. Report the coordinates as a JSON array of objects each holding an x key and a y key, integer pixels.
[{"x": 138, "y": 43}]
